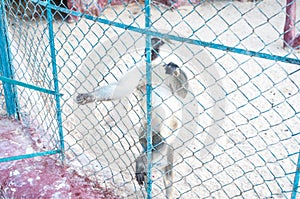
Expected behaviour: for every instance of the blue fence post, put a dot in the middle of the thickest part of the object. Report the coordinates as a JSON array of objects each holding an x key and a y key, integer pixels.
[
  {"x": 296, "y": 179},
  {"x": 55, "y": 79},
  {"x": 5, "y": 64},
  {"x": 148, "y": 96}
]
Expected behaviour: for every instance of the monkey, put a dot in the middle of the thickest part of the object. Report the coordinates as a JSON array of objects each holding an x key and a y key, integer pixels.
[
  {"x": 164, "y": 134},
  {"x": 166, "y": 114},
  {"x": 166, "y": 119}
]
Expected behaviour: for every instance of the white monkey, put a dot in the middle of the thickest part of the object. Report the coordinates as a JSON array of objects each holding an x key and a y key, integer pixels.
[{"x": 166, "y": 114}]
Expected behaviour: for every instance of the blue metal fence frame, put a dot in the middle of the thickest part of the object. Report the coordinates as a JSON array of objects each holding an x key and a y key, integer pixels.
[
  {"x": 9, "y": 83},
  {"x": 148, "y": 94},
  {"x": 55, "y": 80},
  {"x": 9, "y": 89},
  {"x": 296, "y": 180}
]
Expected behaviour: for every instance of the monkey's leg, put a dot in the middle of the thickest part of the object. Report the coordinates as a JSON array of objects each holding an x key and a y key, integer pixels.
[
  {"x": 162, "y": 157},
  {"x": 159, "y": 158},
  {"x": 141, "y": 169},
  {"x": 168, "y": 175}
]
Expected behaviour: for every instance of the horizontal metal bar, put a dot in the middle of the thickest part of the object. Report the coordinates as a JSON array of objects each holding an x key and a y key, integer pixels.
[
  {"x": 227, "y": 48},
  {"x": 20, "y": 157},
  {"x": 173, "y": 37},
  {"x": 30, "y": 86}
]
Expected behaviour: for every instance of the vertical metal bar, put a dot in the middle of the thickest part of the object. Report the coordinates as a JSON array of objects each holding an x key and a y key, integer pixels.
[
  {"x": 6, "y": 70},
  {"x": 55, "y": 79},
  {"x": 289, "y": 26},
  {"x": 296, "y": 179},
  {"x": 149, "y": 97}
]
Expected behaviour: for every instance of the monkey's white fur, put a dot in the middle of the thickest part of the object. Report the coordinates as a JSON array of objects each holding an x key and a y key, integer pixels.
[{"x": 166, "y": 117}]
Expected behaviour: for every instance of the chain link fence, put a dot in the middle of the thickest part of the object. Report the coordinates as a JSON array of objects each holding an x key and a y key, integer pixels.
[{"x": 240, "y": 119}]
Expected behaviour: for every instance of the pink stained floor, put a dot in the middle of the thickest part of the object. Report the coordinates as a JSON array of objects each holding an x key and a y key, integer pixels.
[{"x": 41, "y": 177}]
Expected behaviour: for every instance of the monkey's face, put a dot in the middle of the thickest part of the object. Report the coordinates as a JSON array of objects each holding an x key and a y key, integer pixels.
[{"x": 172, "y": 69}]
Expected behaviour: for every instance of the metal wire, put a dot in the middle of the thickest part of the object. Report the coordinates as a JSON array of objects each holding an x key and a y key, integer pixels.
[{"x": 240, "y": 120}]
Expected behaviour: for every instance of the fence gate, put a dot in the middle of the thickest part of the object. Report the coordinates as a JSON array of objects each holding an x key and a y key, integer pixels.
[{"x": 239, "y": 133}]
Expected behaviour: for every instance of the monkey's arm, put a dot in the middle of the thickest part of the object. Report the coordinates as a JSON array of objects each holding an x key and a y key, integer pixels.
[
  {"x": 104, "y": 93},
  {"x": 125, "y": 86}
]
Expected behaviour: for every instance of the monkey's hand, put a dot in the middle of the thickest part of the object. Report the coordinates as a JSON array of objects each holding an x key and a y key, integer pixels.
[
  {"x": 84, "y": 98},
  {"x": 140, "y": 178},
  {"x": 140, "y": 169}
]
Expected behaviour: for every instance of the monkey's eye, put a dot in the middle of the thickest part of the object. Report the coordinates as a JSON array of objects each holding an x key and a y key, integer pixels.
[{"x": 176, "y": 73}]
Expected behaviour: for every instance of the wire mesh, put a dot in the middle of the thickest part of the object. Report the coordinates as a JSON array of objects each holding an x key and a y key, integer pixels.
[{"x": 240, "y": 120}]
